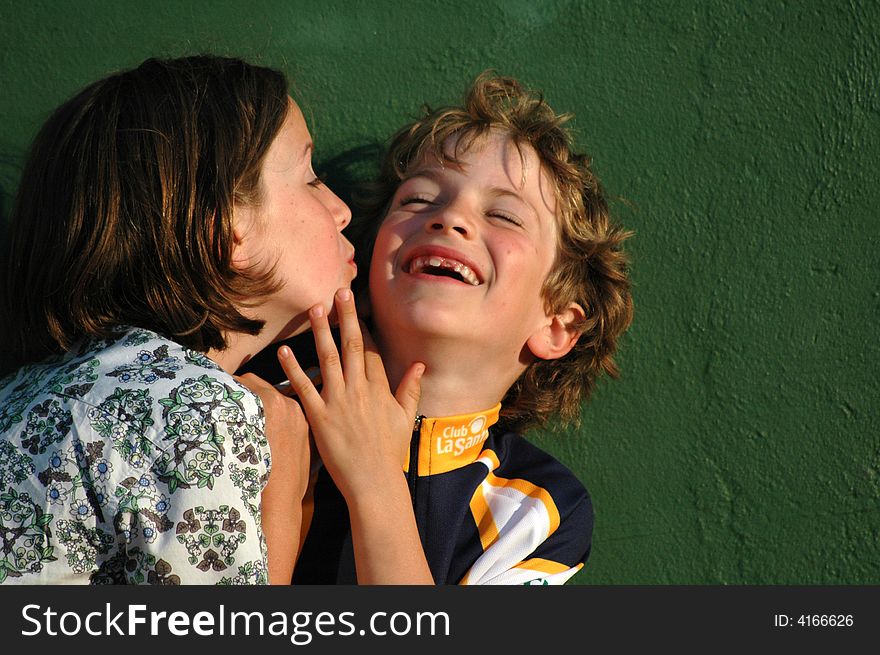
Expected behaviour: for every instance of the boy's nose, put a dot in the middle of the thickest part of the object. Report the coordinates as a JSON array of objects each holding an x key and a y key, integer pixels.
[
  {"x": 436, "y": 226},
  {"x": 449, "y": 221}
]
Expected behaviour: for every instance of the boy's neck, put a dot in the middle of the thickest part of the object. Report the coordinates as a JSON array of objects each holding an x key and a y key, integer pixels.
[{"x": 459, "y": 377}]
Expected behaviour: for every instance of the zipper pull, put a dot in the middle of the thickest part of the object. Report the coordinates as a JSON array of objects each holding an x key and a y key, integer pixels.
[{"x": 413, "y": 473}]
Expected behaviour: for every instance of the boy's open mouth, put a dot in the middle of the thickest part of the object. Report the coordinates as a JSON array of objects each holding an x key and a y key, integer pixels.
[{"x": 443, "y": 267}]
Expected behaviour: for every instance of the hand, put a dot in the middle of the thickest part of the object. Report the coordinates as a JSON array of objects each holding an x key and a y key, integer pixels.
[
  {"x": 362, "y": 430},
  {"x": 281, "y": 500}
]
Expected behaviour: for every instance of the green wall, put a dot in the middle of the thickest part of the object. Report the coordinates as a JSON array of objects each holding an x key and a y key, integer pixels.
[{"x": 741, "y": 445}]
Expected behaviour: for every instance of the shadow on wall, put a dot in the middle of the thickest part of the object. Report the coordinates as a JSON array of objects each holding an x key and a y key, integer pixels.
[
  {"x": 5, "y": 207},
  {"x": 11, "y": 163},
  {"x": 348, "y": 171},
  {"x": 347, "y": 175}
]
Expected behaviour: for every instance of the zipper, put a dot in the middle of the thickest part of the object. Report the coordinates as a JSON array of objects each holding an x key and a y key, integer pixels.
[{"x": 413, "y": 473}]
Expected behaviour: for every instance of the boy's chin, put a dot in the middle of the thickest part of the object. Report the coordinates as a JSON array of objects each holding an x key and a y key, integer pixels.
[{"x": 437, "y": 325}]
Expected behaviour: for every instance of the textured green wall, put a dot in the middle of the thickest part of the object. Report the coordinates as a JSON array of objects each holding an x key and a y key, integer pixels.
[{"x": 742, "y": 443}]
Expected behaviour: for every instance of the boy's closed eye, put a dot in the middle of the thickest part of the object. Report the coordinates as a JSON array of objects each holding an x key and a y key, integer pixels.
[
  {"x": 507, "y": 217},
  {"x": 417, "y": 200},
  {"x": 420, "y": 188}
]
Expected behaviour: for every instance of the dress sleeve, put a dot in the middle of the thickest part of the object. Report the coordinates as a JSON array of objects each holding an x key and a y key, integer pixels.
[
  {"x": 531, "y": 534},
  {"x": 194, "y": 516}
]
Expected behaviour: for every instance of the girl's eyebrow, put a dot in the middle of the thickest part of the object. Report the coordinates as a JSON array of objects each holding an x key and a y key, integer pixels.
[{"x": 307, "y": 151}]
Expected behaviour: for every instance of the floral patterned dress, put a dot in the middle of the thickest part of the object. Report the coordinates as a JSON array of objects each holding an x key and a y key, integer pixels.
[{"x": 131, "y": 460}]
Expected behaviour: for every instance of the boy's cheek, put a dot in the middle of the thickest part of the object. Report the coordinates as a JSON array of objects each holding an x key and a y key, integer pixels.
[
  {"x": 398, "y": 225},
  {"x": 385, "y": 250}
]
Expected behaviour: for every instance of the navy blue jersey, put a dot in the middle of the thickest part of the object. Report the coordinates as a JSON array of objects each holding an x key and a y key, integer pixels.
[{"x": 491, "y": 508}]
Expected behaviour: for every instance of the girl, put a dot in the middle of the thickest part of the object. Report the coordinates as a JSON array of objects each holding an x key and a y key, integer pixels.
[{"x": 168, "y": 225}]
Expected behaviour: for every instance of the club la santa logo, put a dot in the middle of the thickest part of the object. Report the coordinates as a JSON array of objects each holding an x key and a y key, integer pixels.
[{"x": 457, "y": 439}]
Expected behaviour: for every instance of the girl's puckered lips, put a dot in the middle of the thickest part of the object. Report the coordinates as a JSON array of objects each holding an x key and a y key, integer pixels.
[{"x": 443, "y": 261}]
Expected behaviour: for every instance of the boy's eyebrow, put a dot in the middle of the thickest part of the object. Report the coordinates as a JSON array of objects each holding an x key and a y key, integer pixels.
[
  {"x": 432, "y": 173},
  {"x": 436, "y": 174}
]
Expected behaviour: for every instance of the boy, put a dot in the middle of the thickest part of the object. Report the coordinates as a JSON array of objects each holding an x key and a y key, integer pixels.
[{"x": 495, "y": 264}]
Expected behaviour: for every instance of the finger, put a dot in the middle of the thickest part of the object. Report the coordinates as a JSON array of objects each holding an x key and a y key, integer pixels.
[
  {"x": 308, "y": 395},
  {"x": 373, "y": 364},
  {"x": 350, "y": 335},
  {"x": 328, "y": 356},
  {"x": 410, "y": 389},
  {"x": 286, "y": 389}
]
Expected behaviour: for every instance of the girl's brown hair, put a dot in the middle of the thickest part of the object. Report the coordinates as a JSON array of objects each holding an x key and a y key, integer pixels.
[
  {"x": 123, "y": 215},
  {"x": 590, "y": 267}
]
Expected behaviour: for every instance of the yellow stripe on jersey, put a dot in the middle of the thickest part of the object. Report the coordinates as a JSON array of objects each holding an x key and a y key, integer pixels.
[
  {"x": 481, "y": 505},
  {"x": 486, "y": 527}
]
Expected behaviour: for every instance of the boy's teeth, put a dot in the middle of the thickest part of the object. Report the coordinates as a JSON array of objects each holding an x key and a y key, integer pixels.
[{"x": 419, "y": 264}]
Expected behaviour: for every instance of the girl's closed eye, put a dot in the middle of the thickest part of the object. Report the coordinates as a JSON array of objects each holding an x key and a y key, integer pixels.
[{"x": 319, "y": 180}]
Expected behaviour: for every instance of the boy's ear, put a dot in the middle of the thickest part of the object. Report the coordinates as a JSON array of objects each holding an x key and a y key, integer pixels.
[{"x": 558, "y": 335}]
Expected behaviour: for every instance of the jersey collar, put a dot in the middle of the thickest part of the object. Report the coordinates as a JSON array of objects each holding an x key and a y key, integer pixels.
[{"x": 450, "y": 442}]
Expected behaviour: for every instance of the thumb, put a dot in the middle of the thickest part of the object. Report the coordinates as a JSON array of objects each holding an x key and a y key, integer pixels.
[{"x": 410, "y": 389}]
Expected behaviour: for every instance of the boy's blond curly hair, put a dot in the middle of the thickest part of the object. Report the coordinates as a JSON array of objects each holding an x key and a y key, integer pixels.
[{"x": 590, "y": 268}]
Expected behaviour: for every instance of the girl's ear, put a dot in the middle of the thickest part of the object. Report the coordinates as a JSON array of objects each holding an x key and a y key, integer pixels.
[
  {"x": 241, "y": 223},
  {"x": 558, "y": 335}
]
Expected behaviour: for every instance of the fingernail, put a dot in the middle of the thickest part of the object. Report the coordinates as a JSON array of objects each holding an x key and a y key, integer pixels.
[
  {"x": 284, "y": 352},
  {"x": 345, "y": 294},
  {"x": 420, "y": 370},
  {"x": 317, "y": 311}
]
